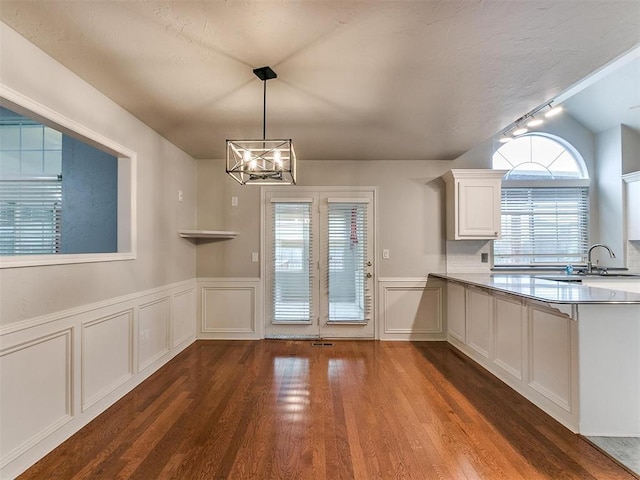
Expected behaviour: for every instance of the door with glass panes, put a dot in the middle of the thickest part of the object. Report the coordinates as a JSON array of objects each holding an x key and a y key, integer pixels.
[{"x": 319, "y": 254}]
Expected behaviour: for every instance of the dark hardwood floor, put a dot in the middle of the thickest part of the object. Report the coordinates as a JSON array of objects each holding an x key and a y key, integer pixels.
[{"x": 289, "y": 410}]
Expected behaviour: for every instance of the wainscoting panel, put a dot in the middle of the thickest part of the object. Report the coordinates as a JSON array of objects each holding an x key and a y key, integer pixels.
[
  {"x": 410, "y": 309},
  {"x": 107, "y": 355},
  {"x": 153, "y": 332},
  {"x": 184, "y": 313},
  {"x": 61, "y": 370},
  {"x": 230, "y": 308},
  {"x": 36, "y": 392}
]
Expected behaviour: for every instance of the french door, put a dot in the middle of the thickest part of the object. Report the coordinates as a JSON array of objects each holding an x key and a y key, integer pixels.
[{"x": 319, "y": 252}]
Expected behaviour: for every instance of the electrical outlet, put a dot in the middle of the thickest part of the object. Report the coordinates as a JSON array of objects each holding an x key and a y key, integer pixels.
[
  {"x": 234, "y": 201},
  {"x": 254, "y": 257},
  {"x": 385, "y": 253}
]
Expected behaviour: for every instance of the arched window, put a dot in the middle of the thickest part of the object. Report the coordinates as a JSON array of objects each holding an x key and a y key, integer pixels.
[{"x": 545, "y": 203}]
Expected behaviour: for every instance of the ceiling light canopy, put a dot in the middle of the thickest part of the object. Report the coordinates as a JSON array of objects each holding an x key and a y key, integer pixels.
[{"x": 262, "y": 161}]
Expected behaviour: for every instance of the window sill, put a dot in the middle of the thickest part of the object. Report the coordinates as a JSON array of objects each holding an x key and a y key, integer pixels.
[{"x": 18, "y": 261}]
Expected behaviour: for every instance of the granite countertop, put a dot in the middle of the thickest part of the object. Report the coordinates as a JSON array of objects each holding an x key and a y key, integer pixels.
[{"x": 549, "y": 291}]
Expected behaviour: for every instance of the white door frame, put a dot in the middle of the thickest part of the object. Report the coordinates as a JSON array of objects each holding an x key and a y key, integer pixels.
[{"x": 303, "y": 191}]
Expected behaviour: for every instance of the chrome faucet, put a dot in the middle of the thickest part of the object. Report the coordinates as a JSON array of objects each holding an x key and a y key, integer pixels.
[{"x": 589, "y": 264}]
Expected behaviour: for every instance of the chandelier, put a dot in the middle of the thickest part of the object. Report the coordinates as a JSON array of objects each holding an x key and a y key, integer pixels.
[{"x": 264, "y": 161}]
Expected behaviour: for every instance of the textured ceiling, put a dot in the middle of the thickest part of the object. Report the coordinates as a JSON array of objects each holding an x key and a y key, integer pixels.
[{"x": 356, "y": 79}]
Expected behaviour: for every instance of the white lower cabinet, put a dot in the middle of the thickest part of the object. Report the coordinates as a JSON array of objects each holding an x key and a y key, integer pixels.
[
  {"x": 456, "y": 311},
  {"x": 509, "y": 327},
  {"x": 479, "y": 321},
  {"x": 529, "y": 345}
]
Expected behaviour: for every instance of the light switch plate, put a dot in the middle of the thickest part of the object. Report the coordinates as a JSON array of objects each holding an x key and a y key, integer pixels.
[
  {"x": 234, "y": 201},
  {"x": 385, "y": 253},
  {"x": 180, "y": 195}
]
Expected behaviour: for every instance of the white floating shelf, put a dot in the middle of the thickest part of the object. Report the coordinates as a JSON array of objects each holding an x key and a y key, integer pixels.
[{"x": 207, "y": 234}]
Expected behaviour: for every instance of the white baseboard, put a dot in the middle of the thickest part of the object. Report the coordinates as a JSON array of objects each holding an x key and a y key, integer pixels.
[{"x": 60, "y": 371}]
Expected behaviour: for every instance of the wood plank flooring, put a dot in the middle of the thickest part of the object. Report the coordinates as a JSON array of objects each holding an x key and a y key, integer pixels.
[{"x": 277, "y": 409}]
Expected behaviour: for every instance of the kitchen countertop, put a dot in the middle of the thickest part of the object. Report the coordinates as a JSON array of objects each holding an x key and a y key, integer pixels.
[{"x": 549, "y": 291}]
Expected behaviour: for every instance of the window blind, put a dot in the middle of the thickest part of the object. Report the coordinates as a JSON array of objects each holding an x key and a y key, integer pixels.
[
  {"x": 30, "y": 216},
  {"x": 347, "y": 256},
  {"x": 543, "y": 226},
  {"x": 292, "y": 257}
]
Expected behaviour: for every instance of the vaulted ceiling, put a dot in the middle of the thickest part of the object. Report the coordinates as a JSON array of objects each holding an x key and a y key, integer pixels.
[{"x": 356, "y": 79}]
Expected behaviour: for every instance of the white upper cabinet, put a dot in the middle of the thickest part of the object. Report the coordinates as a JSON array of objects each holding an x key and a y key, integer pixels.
[
  {"x": 473, "y": 203},
  {"x": 632, "y": 205}
]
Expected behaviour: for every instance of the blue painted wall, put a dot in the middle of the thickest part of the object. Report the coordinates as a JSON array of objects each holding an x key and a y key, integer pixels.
[{"x": 89, "y": 199}]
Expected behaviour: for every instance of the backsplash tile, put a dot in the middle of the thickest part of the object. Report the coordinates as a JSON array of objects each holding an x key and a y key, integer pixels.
[
  {"x": 463, "y": 256},
  {"x": 633, "y": 256}
]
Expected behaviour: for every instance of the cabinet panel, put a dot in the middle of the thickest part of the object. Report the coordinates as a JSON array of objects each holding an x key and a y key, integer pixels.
[
  {"x": 479, "y": 321},
  {"x": 508, "y": 331},
  {"x": 550, "y": 355},
  {"x": 633, "y": 208},
  {"x": 478, "y": 210},
  {"x": 456, "y": 313}
]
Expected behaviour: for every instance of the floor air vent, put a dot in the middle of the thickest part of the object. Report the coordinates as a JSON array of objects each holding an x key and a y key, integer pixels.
[{"x": 322, "y": 344}]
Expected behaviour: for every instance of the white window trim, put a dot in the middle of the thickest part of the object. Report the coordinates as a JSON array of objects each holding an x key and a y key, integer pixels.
[
  {"x": 545, "y": 183},
  {"x": 127, "y": 168}
]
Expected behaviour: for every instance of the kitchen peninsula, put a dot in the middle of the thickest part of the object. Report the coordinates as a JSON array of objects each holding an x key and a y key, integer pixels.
[{"x": 571, "y": 349}]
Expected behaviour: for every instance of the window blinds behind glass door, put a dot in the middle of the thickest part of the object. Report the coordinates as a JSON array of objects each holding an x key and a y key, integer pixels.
[
  {"x": 292, "y": 257},
  {"x": 347, "y": 256}
]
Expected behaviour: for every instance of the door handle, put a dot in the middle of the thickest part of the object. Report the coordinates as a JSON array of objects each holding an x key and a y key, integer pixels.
[{"x": 369, "y": 275}]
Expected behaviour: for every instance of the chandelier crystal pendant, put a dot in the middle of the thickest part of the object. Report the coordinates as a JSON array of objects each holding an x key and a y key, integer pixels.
[{"x": 264, "y": 161}]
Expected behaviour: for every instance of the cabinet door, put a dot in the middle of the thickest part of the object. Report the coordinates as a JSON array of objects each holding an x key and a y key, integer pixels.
[
  {"x": 509, "y": 323},
  {"x": 633, "y": 210},
  {"x": 479, "y": 321},
  {"x": 456, "y": 314},
  {"x": 479, "y": 208}
]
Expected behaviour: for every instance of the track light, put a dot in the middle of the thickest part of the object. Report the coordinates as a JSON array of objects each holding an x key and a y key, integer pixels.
[
  {"x": 518, "y": 127},
  {"x": 553, "y": 111}
]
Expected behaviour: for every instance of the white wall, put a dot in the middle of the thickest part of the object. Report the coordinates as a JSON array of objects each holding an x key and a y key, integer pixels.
[
  {"x": 608, "y": 181},
  {"x": 410, "y": 216},
  {"x": 75, "y": 338},
  {"x": 410, "y": 213},
  {"x": 162, "y": 170}
]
